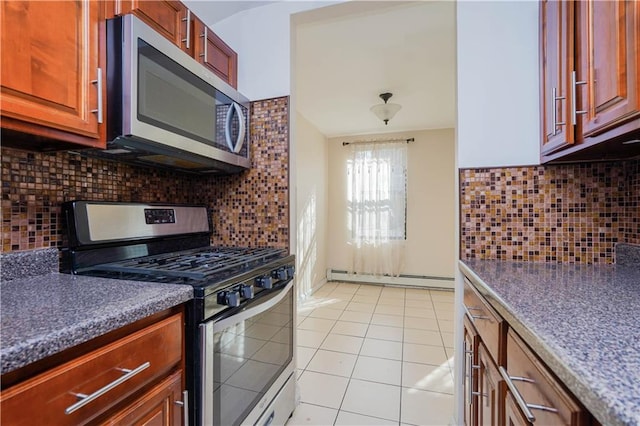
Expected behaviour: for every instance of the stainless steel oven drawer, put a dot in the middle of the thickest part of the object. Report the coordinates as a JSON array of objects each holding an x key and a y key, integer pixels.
[{"x": 278, "y": 412}]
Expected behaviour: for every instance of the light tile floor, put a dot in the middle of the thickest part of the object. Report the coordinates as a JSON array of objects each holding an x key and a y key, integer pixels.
[{"x": 373, "y": 355}]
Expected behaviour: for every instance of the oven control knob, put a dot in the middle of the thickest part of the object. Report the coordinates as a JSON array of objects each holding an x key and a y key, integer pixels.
[
  {"x": 264, "y": 282},
  {"x": 246, "y": 291},
  {"x": 280, "y": 274},
  {"x": 229, "y": 298},
  {"x": 291, "y": 271}
]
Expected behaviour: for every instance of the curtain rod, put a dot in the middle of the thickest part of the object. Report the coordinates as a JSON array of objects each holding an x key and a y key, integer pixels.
[{"x": 379, "y": 141}]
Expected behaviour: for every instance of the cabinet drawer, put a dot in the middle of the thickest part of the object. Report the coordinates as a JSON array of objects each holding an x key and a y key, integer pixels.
[
  {"x": 106, "y": 376},
  {"x": 548, "y": 401},
  {"x": 487, "y": 322}
]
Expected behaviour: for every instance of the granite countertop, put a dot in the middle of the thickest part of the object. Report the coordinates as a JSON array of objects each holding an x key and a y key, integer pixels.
[
  {"x": 46, "y": 314},
  {"x": 582, "y": 321}
]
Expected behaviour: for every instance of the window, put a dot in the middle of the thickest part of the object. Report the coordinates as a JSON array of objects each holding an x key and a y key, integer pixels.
[{"x": 377, "y": 192}]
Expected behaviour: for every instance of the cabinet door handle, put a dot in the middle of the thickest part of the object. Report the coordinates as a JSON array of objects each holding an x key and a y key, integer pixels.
[
  {"x": 475, "y": 317},
  {"x": 574, "y": 108},
  {"x": 185, "y": 407},
  {"x": 236, "y": 146},
  {"x": 204, "y": 44},
  {"x": 188, "y": 23},
  {"x": 98, "y": 83},
  {"x": 86, "y": 399},
  {"x": 526, "y": 408},
  {"x": 556, "y": 123},
  {"x": 471, "y": 368},
  {"x": 516, "y": 394}
]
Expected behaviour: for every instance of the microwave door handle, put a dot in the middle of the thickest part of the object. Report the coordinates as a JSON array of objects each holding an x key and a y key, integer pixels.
[
  {"x": 237, "y": 146},
  {"x": 241, "y": 131}
]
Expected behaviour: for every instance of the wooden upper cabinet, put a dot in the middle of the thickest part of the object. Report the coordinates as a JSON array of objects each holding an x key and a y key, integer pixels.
[
  {"x": 170, "y": 18},
  {"x": 215, "y": 54},
  {"x": 608, "y": 62},
  {"x": 51, "y": 69},
  {"x": 556, "y": 42},
  {"x": 174, "y": 21},
  {"x": 589, "y": 84}
]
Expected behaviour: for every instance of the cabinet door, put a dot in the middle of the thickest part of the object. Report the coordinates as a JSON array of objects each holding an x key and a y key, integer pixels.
[
  {"x": 86, "y": 387},
  {"x": 547, "y": 399},
  {"x": 490, "y": 411},
  {"x": 608, "y": 62},
  {"x": 488, "y": 323},
  {"x": 214, "y": 53},
  {"x": 160, "y": 406},
  {"x": 50, "y": 68},
  {"x": 557, "y": 52},
  {"x": 172, "y": 19},
  {"x": 513, "y": 416},
  {"x": 471, "y": 341}
]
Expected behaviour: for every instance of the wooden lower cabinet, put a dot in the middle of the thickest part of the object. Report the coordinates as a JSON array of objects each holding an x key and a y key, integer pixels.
[
  {"x": 141, "y": 371},
  {"x": 494, "y": 352},
  {"x": 489, "y": 389},
  {"x": 512, "y": 414},
  {"x": 471, "y": 340},
  {"x": 483, "y": 345},
  {"x": 546, "y": 397}
]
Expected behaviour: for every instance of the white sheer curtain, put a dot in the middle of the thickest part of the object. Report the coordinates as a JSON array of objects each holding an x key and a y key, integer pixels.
[{"x": 377, "y": 207}]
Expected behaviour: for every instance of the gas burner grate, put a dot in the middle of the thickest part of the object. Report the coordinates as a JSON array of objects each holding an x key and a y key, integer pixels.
[{"x": 200, "y": 264}]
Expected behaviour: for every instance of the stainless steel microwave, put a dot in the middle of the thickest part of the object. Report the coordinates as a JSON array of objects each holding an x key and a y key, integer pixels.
[{"x": 166, "y": 109}]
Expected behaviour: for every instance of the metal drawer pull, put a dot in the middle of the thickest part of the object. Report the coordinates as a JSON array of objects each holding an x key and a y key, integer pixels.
[
  {"x": 526, "y": 408},
  {"x": 98, "y": 83},
  {"x": 205, "y": 36},
  {"x": 522, "y": 379},
  {"x": 471, "y": 368},
  {"x": 556, "y": 123},
  {"x": 542, "y": 407},
  {"x": 575, "y": 111},
  {"x": 188, "y": 21},
  {"x": 185, "y": 407},
  {"x": 475, "y": 317},
  {"x": 516, "y": 394},
  {"x": 85, "y": 399}
]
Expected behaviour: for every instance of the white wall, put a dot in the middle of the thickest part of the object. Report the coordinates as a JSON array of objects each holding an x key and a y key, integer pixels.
[
  {"x": 311, "y": 206},
  {"x": 498, "y": 106},
  {"x": 431, "y": 196},
  {"x": 261, "y": 39}
]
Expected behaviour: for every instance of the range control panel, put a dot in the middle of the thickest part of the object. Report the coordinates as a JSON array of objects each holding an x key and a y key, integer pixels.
[{"x": 155, "y": 216}]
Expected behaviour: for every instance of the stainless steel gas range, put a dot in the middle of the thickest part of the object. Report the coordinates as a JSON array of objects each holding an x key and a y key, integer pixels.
[{"x": 240, "y": 325}]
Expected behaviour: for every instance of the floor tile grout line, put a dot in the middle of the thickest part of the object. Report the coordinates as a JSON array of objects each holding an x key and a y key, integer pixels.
[{"x": 359, "y": 354}]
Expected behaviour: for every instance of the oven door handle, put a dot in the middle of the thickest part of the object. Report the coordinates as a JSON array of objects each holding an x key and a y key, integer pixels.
[{"x": 253, "y": 310}]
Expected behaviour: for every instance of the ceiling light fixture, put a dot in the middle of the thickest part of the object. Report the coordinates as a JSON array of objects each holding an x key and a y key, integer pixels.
[{"x": 385, "y": 111}]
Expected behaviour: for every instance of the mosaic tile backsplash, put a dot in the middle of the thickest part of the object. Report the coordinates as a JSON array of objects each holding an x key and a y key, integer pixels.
[
  {"x": 555, "y": 213},
  {"x": 248, "y": 209}
]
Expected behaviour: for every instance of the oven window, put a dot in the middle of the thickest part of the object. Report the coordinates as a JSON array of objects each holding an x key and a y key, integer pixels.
[{"x": 248, "y": 358}]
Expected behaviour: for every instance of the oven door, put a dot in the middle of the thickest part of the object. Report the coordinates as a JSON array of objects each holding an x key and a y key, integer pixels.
[{"x": 247, "y": 358}]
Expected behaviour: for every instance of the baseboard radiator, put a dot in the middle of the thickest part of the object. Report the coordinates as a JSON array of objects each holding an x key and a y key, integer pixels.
[{"x": 402, "y": 280}]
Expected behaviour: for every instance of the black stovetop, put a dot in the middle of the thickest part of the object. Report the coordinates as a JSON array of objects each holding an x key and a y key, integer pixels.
[{"x": 199, "y": 267}]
